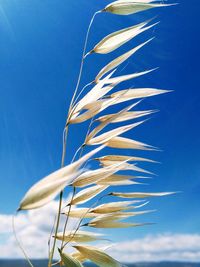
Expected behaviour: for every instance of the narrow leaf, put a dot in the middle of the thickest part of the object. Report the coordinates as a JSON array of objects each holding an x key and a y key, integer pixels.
[
  {"x": 105, "y": 137},
  {"x": 79, "y": 236},
  {"x": 49, "y": 187},
  {"x": 118, "y": 38},
  {"x": 121, "y": 142},
  {"x": 97, "y": 256},
  {"x": 129, "y": 7},
  {"x": 94, "y": 107},
  {"x": 130, "y": 94},
  {"x": 114, "y": 206},
  {"x": 112, "y": 159},
  {"x": 141, "y": 195},
  {"x": 127, "y": 77},
  {"x": 114, "y": 224},
  {"x": 126, "y": 95},
  {"x": 91, "y": 177},
  {"x": 126, "y": 116},
  {"x": 119, "y": 60},
  {"x": 82, "y": 258},
  {"x": 77, "y": 255},
  {"x": 116, "y": 216},
  {"x": 117, "y": 179},
  {"x": 68, "y": 260},
  {"x": 87, "y": 194},
  {"x": 95, "y": 93},
  {"x": 109, "y": 182},
  {"x": 80, "y": 213},
  {"x": 110, "y": 119},
  {"x": 136, "y": 1}
]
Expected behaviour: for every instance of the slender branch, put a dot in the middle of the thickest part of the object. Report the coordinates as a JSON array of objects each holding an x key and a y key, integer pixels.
[
  {"x": 50, "y": 235},
  {"x": 64, "y": 145},
  {"x": 67, "y": 219},
  {"x": 56, "y": 231},
  {"x": 65, "y": 134},
  {"x": 18, "y": 242},
  {"x": 74, "y": 157},
  {"x": 81, "y": 148},
  {"x": 74, "y": 188},
  {"x": 88, "y": 131},
  {"x": 82, "y": 90},
  {"x": 82, "y": 60}
]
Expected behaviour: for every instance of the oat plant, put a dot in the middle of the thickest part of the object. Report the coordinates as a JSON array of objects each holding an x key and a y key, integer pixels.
[{"x": 94, "y": 186}]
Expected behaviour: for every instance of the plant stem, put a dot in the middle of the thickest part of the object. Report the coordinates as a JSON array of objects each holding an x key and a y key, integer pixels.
[
  {"x": 74, "y": 189},
  {"x": 67, "y": 219},
  {"x": 56, "y": 231},
  {"x": 65, "y": 134},
  {"x": 69, "y": 114},
  {"x": 18, "y": 242},
  {"x": 65, "y": 139},
  {"x": 82, "y": 60},
  {"x": 74, "y": 157},
  {"x": 82, "y": 90},
  {"x": 51, "y": 233}
]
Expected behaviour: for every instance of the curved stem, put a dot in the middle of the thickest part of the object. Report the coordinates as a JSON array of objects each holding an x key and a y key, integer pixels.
[
  {"x": 76, "y": 153},
  {"x": 64, "y": 146},
  {"x": 51, "y": 233},
  {"x": 88, "y": 131},
  {"x": 82, "y": 90},
  {"x": 56, "y": 231},
  {"x": 18, "y": 242},
  {"x": 82, "y": 60},
  {"x": 81, "y": 148},
  {"x": 67, "y": 219},
  {"x": 65, "y": 133}
]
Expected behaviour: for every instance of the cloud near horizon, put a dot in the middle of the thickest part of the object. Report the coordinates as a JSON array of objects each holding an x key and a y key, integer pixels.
[
  {"x": 33, "y": 229},
  {"x": 160, "y": 247}
]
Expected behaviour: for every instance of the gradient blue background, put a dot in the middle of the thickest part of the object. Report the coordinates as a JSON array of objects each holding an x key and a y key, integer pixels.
[{"x": 40, "y": 51}]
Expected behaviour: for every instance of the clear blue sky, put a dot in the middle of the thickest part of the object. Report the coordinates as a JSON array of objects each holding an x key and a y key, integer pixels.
[{"x": 40, "y": 50}]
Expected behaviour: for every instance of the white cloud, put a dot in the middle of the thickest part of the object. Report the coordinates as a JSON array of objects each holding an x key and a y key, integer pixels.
[
  {"x": 33, "y": 228},
  {"x": 170, "y": 247}
]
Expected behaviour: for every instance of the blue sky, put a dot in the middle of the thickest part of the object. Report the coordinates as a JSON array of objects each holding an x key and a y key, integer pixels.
[{"x": 40, "y": 51}]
